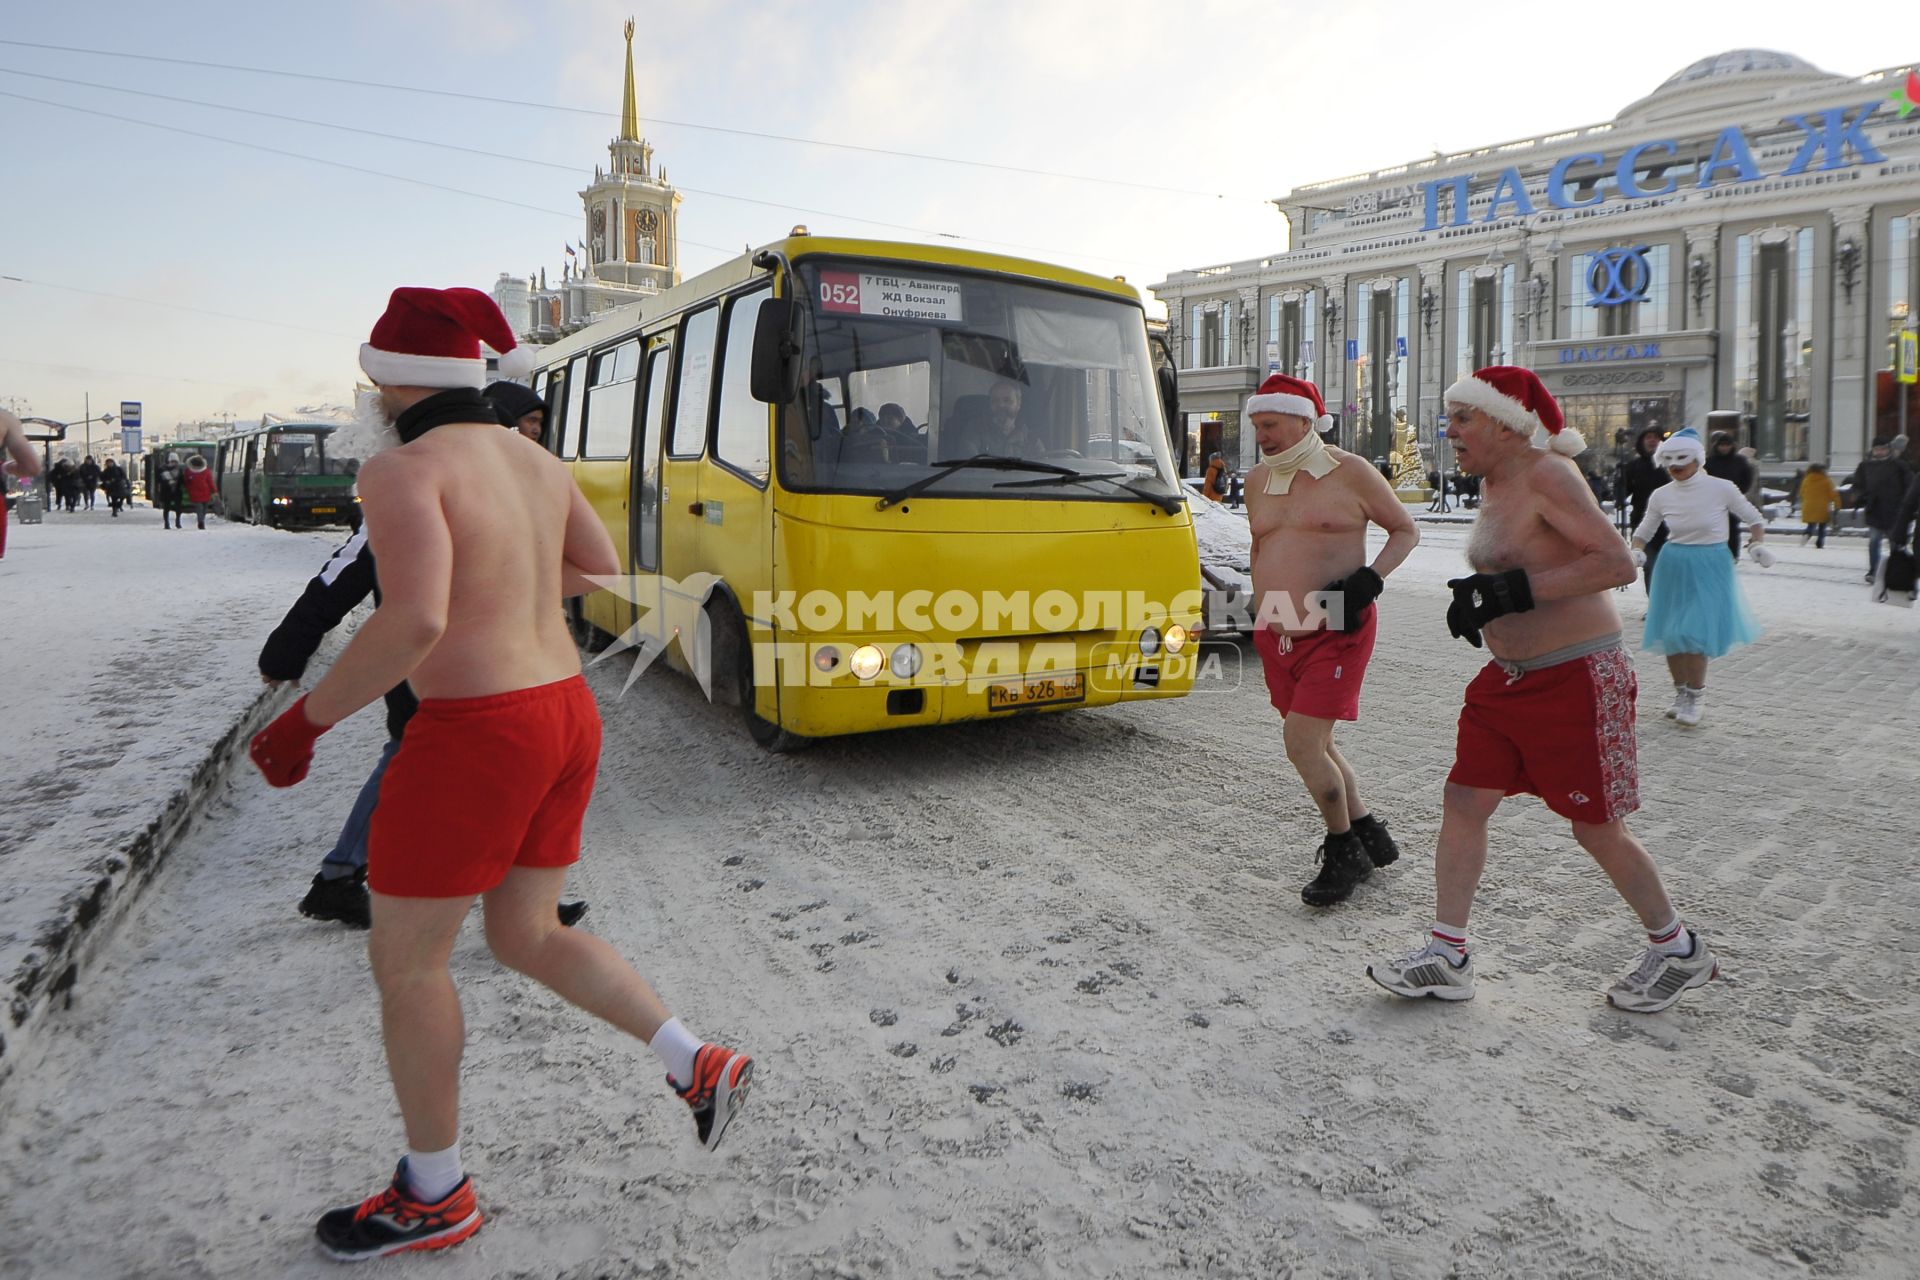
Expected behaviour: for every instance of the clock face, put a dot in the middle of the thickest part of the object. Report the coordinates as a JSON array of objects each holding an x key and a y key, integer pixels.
[{"x": 649, "y": 221}]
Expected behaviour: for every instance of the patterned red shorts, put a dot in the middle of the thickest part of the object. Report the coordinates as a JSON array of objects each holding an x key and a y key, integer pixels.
[{"x": 1563, "y": 733}]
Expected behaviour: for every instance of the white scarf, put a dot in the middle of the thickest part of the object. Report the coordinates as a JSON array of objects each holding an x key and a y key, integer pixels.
[{"x": 1311, "y": 455}]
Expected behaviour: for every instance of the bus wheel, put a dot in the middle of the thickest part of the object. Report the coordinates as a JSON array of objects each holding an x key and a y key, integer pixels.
[{"x": 733, "y": 652}]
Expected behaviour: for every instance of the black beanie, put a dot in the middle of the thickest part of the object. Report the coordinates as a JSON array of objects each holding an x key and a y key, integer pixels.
[{"x": 513, "y": 402}]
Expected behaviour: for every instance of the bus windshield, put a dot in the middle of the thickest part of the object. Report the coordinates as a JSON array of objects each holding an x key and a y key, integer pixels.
[
  {"x": 293, "y": 453},
  {"x": 908, "y": 370}
]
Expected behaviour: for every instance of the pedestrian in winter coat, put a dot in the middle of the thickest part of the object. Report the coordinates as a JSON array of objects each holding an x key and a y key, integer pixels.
[
  {"x": 199, "y": 482},
  {"x": 113, "y": 483},
  {"x": 519, "y": 408},
  {"x": 1639, "y": 477},
  {"x": 65, "y": 483},
  {"x": 1216, "y": 474},
  {"x": 169, "y": 493},
  {"x": 1878, "y": 485},
  {"x": 1724, "y": 462},
  {"x": 89, "y": 477},
  {"x": 1818, "y": 501}
]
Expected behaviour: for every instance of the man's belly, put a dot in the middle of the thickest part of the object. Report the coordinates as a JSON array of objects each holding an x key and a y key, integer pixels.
[
  {"x": 1556, "y": 624},
  {"x": 1285, "y": 588}
]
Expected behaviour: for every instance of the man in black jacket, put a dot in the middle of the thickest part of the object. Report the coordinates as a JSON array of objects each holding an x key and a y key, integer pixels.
[
  {"x": 339, "y": 890},
  {"x": 1724, "y": 461},
  {"x": 1877, "y": 487},
  {"x": 1640, "y": 475}
]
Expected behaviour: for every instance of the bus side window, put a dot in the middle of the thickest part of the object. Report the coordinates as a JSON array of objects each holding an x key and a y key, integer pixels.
[
  {"x": 740, "y": 427},
  {"x": 646, "y": 453},
  {"x": 609, "y": 427},
  {"x": 693, "y": 383},
  {"x": 567, "y": 433}
]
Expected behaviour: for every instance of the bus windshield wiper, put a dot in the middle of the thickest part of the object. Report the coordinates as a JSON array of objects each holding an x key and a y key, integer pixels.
[
  {"x": 988, "y": 461},
  {"x": 1167, "y": 502}
]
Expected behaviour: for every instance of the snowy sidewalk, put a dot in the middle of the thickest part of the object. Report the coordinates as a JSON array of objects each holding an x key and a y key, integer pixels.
[{"x": 130, "y": 662}]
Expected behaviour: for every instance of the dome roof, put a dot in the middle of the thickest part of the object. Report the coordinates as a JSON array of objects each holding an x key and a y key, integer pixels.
[
  {"x": 1723, "y": 79},
  {"x": 1736, "y": 62}
]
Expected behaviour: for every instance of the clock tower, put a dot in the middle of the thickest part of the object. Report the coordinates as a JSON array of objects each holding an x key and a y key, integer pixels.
[{"x": 632, "y": 215}]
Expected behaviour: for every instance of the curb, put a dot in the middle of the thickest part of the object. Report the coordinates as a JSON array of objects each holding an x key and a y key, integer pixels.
[{"x": 87, "y": 917}]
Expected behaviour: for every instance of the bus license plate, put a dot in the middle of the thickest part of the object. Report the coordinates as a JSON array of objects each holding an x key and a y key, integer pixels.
[
  {"x": 1040, "y": 691},
  {"x": 324, "y": 511}
]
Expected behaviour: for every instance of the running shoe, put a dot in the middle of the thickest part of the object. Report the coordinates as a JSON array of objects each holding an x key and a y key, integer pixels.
[
  {"x": 1343, "y": 864},
  {"x": 1679, "y": 701},
  {"x": 1658, "y": 980},
  {"x": 570, "y": 913},
  {"x": 1425, "y": 973},
  {"x": 343, "y": 898},
  {"x": 721, "y": 1079},
  {"x": 394, "y": 1222},
  {"x": 1688, "y": 716},
  {"x": 1380, "y": 847}
]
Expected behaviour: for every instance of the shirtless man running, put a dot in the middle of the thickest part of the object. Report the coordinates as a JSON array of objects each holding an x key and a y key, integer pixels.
[
  {"x": 479, "y": 534},
  {"x": 1553, "y": 713},
  {"x": 1309, "y": 506}
]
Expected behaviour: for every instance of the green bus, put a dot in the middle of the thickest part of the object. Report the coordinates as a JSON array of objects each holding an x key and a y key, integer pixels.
[
  {"x": 155, "y": 458},
  {"x": 280, "y": 474}
]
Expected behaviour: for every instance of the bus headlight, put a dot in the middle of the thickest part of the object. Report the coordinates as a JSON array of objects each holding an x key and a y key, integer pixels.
[
  {"x": 905, "y": 662},
  {"x": 867, "y": 661},
  {"x": 283, "y": 502},
  {"x": 1176, "y": 638},
  {"x": 826, "y": 658},
  {"x": 1149, "y": 642}
]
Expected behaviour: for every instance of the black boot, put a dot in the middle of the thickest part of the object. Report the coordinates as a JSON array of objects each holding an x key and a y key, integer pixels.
[
  {"x": 343, "y": 898},
  {"x": 1343, "y": 864},
  {"x": 1374, "y": 838}
]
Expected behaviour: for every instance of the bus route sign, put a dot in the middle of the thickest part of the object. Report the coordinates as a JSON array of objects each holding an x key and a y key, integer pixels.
[{"x": 866, "y": 293}]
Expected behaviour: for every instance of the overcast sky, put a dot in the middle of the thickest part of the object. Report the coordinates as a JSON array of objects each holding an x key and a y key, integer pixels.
[{"x": 1193, "y": 114}]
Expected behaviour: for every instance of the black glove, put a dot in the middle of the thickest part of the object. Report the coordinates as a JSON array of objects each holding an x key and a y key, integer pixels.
[
  {"x": 1479, "y": 599},
  {"x": 1358, "y": 590}
]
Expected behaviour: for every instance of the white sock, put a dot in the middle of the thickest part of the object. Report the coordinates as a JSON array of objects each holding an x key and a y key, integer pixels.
[
  {"x": 675, "y": 1046},
  {"x": 432, "y": 1175},
  {"x": 1673, "y": 939},
  {"x": 1449, "y": 942}
]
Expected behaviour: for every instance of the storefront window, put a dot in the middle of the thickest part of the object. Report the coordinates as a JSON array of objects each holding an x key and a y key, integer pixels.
[
  {"x": 1359, "y": 336},
  {"x": 1209, "y": 331},
  {"x": 1799, "y": 351},
  {"x": 1463, "y": 365},
  {"x": 1653, "y": 313},
  {"x": 1745, "y": 333}
]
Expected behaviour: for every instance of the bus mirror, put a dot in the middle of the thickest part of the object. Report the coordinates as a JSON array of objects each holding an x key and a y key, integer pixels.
[
  {"x": 777, "y": 342},
  {"x": 1169, "y": 391}
]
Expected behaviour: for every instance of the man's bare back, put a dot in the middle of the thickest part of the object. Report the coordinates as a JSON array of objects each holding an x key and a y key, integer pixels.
[
  {"x": 1312, "y": 535},
  {"x": 1513, "y": 532},
  {"x": 494, "y": 516}
]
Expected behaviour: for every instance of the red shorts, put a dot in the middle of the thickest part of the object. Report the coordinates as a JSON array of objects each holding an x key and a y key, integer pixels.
[
  {"x": 1320, "y": 676},
  {"x": 1563, "y": 733},
  {"x": 480, "y": 785}
]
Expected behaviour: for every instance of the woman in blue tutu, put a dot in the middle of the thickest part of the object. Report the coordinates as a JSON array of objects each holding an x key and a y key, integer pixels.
[{"x": 1695, "y": 608}]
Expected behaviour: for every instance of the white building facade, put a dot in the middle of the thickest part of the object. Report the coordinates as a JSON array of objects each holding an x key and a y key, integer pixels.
[{"x": 1746, "y": 238}]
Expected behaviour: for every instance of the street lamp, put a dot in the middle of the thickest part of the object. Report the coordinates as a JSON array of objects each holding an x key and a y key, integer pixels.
[{"x": 88, "y": 421}]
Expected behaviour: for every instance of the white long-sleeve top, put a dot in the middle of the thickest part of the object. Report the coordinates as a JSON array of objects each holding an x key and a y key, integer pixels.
[{"x": 1696, "y": 510}]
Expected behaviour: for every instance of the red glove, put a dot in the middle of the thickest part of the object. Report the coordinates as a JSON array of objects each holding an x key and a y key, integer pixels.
[{"x": 283, "y": 750}]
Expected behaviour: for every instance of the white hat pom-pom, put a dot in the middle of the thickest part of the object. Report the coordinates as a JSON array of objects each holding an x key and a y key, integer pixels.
[
  {"x": 518, "y": 363},
  {"x": 1568, "y": 443}
]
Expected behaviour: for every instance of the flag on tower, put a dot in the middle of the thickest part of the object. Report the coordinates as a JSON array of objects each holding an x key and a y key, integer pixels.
[{"x": 570, "y": 251}]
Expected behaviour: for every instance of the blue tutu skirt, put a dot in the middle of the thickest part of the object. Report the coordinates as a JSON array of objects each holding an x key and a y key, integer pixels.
[{"x": 1695, "y": 604}]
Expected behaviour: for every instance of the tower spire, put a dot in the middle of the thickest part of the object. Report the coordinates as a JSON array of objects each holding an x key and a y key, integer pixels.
[{"x": 629, "y": 109}]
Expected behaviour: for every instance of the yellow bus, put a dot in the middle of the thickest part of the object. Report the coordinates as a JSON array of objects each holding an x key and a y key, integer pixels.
[{"x": 862, "y": 485}]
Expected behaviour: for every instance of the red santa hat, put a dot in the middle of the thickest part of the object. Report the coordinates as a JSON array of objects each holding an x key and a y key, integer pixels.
[
  {"x": 1297, "y": 396},
  {"x": 1518, "y": 400},
  {"x": 432, "y": 338}
]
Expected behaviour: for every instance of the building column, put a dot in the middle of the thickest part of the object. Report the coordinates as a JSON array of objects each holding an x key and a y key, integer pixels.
[
  {"x": 1701, "y": 386},
  {"x": 1430, "y": 364},
  {"x": 1839, "y": 434},
  {"x": 1333, "y": 355}
]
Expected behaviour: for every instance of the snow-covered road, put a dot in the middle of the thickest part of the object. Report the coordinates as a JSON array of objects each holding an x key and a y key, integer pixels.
[{"x": 1038, "y": 998}]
